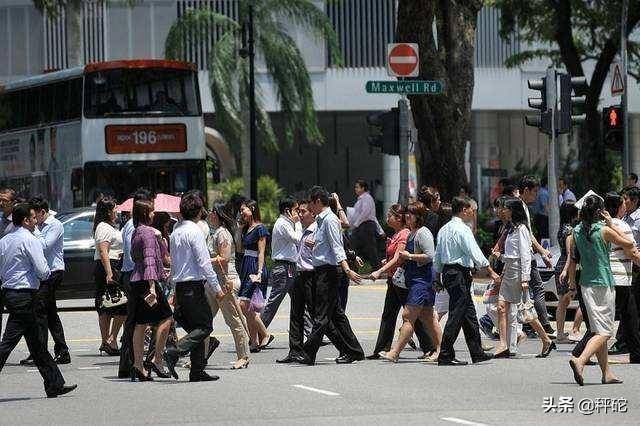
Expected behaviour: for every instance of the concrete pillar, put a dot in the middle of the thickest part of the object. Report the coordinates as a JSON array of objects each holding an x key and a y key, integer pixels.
[{"x": 390, "y": 180}]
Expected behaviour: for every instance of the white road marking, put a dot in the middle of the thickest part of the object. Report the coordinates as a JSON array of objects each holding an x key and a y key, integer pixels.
[
  {"x": 88, "y": 368},
  {"x": 462, "y": 421},
  {"x": 324, "y": 392},
  {"x": 35, "y": 370},
  {"x": 81, "y": 350}
]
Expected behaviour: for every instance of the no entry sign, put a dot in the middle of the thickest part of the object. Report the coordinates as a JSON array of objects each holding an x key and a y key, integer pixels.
[{"x": 403, "y": 59}]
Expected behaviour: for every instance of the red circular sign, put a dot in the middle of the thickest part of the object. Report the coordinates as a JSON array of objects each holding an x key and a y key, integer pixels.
[{"x": 403, "y": 60}]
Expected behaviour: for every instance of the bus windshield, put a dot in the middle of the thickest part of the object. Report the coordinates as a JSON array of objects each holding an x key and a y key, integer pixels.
[{"x": 140, "y": 92}]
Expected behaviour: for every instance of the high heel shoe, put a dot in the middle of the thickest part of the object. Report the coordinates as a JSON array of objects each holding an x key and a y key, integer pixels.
[
  {"x": 136, "y": 375},
  {"x": 502, "y": 354},
  {"x": 151, "y": 366},
  {"x": 109, "y": 350},
  {"x": 240, "y": 367},
  {"x": 545, "y": 353}
]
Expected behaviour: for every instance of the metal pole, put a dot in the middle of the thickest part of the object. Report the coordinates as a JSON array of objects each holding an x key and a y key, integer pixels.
[
  {"x": 403, "y": 110},
  {"x": 626, "y": 157},
  {"x": 252, "y": 111},
  {"x": 554, "y": 210}
]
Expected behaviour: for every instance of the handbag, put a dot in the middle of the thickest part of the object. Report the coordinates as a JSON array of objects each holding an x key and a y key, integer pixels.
[
  {"x": 526, "y": 310},
  {"x": 491, "y": 294},
  {"x": 257, "y": 301},
  {"x": 398, "y": 278},
  {"x": 113, "y": 296}
]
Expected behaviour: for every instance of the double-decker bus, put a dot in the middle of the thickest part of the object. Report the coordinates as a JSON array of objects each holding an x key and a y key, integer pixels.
[{"x": 107, "y": 127}]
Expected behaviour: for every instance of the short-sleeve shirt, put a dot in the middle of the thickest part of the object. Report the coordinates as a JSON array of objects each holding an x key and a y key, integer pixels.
[
  {"x": 251, "y": 238},
  {"x": 398, "y": 238},
  {"x": 107, "y": 233},
  {"x": 221, "y": 237},
  {"x": 424, "y": 243}
]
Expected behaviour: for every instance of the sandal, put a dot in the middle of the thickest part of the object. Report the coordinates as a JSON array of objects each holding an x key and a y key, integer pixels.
[
  {"x": 386, "y": 356},
  {"x": 244, "y": 364}
]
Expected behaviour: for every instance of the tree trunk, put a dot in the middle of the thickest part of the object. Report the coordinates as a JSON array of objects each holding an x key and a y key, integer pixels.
[
  {"x": 73, "y": 16},
  {"x": 443, "y": 121}
]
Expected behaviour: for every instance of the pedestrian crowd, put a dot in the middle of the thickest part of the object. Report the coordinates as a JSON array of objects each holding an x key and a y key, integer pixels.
[{"x": 163, "y": 271}]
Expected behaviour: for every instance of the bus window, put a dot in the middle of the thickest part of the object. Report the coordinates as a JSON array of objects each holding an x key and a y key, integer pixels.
[{"x": 139, "y": 92}]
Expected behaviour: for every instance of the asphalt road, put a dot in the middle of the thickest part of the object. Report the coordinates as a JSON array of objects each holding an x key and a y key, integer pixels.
[{"x": 371, "y": 392}]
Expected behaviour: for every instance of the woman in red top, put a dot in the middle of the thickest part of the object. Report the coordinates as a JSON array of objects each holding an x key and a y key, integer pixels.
[{"x": 395, "y": 296}]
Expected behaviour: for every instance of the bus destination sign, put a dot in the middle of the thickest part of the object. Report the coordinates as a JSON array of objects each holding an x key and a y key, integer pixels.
[{"x": 144, "y": 138}]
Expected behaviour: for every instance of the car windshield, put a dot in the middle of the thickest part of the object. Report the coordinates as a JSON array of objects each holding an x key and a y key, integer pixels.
[
  {"x": 140, "y": 92},
  {"x": 76, "y": 228}
]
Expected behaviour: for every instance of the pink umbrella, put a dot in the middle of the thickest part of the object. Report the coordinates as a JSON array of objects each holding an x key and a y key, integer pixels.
[{"x": 163, "y": 203}]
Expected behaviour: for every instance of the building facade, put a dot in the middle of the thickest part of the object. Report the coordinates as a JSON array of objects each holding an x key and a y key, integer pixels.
[{"x": 31, "y": 43}]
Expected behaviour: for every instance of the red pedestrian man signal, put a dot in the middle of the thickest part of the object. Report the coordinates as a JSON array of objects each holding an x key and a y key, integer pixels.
[
  {"x": 403, "y": 60},
  {"x": 613, "y": 118}
]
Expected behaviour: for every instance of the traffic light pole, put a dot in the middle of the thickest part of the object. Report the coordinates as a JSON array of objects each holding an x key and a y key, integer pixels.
[
  {"x": 626, "y": 155},
  {"x": 403, "y": 112},
  {"x": 554, "y": 211}
]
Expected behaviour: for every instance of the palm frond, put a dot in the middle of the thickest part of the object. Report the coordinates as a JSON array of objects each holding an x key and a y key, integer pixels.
[
  {"x": 305, "y": 14},
  {"x": 194, "y": 26},
  {"x": 291, "y": 83}
]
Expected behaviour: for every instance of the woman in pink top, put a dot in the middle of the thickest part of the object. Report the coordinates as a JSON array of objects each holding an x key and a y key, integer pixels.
[
  {"x": 395, "y": 296},
  {"x": 150, "y": 305}
]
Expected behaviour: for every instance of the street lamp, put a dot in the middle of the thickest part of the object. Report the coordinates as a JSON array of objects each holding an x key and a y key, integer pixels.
[{"x": 248, "y": 51}]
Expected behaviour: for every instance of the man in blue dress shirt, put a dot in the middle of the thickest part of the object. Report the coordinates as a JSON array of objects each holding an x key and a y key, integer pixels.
[{"x": 22, "y": 267}]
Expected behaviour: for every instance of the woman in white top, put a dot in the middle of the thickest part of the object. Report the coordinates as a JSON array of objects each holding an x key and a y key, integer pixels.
[
  {"x": 621, "y": 268},
  {"x": 223, "y": 261},
  {"x": 108, "y": 257},
  {"x": 515, "y": 276}
]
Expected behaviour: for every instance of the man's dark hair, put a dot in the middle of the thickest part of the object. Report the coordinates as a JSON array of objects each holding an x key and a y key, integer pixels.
[
  {"x": 509, "y": 191},
  {"x": 544, "y": 181},
  {"x": 458, "y": 204},
  {"x": 287, "y": 203},
  {"x": 612, "y": 202},
  {"x": 143, "y": 194},
  {"x": 319, "y": 193},
  {"x": 39, "y": 203},
  {"x": 20, "y": 212},
  {"x": 362, "y": 184},
  {"x": 528, "y": 182},
  {"x": 634, "y": 177},
  {"x": 505, "y": 182},
  {"x": 632, "y": 192},
  {"x": 191, "y": 206},
  {"x": 466, "y": 189}
]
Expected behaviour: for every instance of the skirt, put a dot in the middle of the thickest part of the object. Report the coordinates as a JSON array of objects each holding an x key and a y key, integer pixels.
[
  {"x": 600, "y": 302},
  {"x": 145, "y": 314},
  {"x": 421, "y": 294},
  {"x": 511, "y": 286},
  {"x": 100, "y": 277},
  {"x": 247, "y": 287}
]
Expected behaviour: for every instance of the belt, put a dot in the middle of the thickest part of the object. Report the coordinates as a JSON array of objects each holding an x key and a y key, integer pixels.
[
  {"x": 326, "y": 267},
  {"x": 286, "y": 262},
  {"x": 457, "y": 266},
  {"x": 20, "y": 290},
  {"x": 190, "y": 283},
  {"x": 252, "y": 253}
]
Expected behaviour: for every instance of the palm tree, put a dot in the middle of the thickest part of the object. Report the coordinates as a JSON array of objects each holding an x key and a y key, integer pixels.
[{"x": 229, "y": 73}]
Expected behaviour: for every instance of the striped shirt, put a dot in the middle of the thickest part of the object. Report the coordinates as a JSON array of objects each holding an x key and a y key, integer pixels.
[{"x": 621, "y": 264}]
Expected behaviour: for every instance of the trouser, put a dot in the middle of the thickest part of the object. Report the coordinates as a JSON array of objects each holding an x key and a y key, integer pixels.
[
  {"x": 47, "y": 313},
  {"x": 328, "y": 317},
  {"x": 635, "y": 293},
  {"x": 301, "y": 294},
  {"x": 536, "y": 289},
  {"x": 579, "y": 347},
  {"x": 194, "y": 314},
  {"x": 365, "y": 244},
  {"x": 22, "y": 322},
  {"x": 462, "y": 313},
  {"x": 232, "y": 315},
  {"x": 627, "y": 311},
  {"x": 343, "y": 291},
  {"x": 394, "y": 299},
  {"x": 281, "y": 280},
  {"x": 126, "y": 344}
]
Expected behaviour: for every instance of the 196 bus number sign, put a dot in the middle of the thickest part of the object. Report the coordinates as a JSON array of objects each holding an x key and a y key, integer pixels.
[{"x": 134, "y": 139}]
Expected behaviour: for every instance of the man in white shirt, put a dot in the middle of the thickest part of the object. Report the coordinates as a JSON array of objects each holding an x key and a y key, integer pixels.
[
  {"x": 564, "y": 193},
  {"x": 191, "y": 270},
  {"x": 50, "y": 232},
  {"x": 7, "y": 200},
  {"x": 364, "y": 225},
  {"x": 22, "y": 267},
  {"x": 285, "y": 238}
]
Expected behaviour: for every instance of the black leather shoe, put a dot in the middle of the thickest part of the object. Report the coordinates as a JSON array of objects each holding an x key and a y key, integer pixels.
[
  {"x": 28, "y": 361},
  {"x": 286, "y": 360},
  {"x": 171, "y": 361},
  {"x": 452, "y": 362},
  {"x": 203, "y": 377},
  {"x": 266, "y": 345},
  {"x": 299, "y": 359},
  {"x": 484, "y": 357},
  {"x": 373, "y": 356},
  {"x": 347, "y": 359},
  {"x": 503, "y": 354},
  {"x": 63, "y": 358},
  {"x": 618, "y": 349},
  {"x": 550, "y": 331},
  {"x": 63, "y": 390}
]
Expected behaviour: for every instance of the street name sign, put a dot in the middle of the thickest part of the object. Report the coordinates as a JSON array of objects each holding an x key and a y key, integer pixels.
[
  {"x": 409, "y": 87},
  {"x": 403, "y": 60}
]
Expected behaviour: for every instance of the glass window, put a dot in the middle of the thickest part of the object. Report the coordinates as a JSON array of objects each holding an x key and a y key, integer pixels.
[
  {"x": 80, "y": 228},
  {"x": 149, "y": 91}
]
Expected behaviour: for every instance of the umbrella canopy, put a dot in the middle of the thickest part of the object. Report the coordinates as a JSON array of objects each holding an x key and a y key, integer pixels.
[{"x": 163, "y": 203}]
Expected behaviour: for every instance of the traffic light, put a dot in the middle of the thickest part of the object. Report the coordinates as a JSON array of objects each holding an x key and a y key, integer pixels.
[
  {"x": 568, "y": 117},
  {"x": 545, "y": 103},
  {"x": 612, "y": 126},
  {"x": 385, "y": 131}
]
